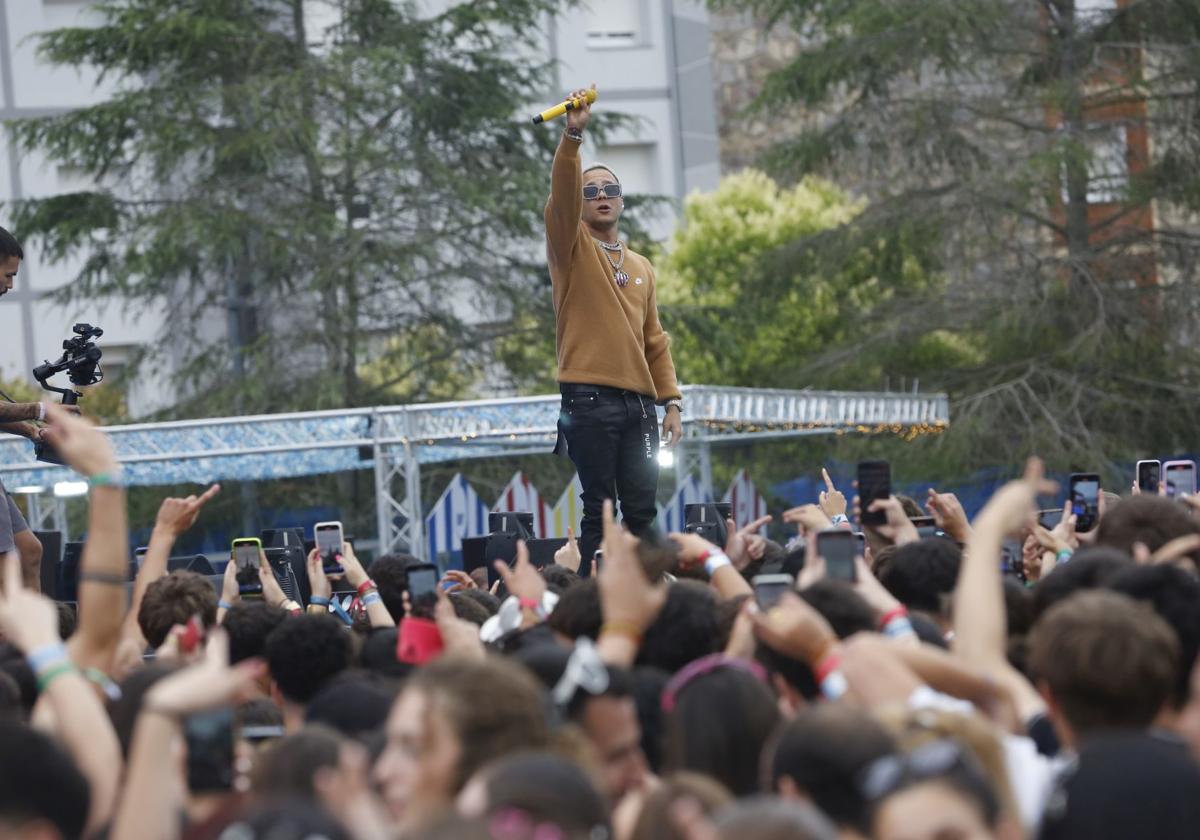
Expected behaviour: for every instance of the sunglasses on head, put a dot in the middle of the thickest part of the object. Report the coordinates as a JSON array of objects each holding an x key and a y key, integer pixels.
[{"x": 591, "y": 191}]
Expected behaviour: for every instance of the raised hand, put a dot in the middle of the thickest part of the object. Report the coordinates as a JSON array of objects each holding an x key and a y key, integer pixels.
[
  {"x": 897, "y": 527},
  {"x": 318, "y": 582},
  {"x": 568, "y": 556},
  {"x": 209, "y": 684},
  {"x": 810, "y": 518},
  {"x": 949, "y": 515},
  {"x": 832, "y": 501},
  {"x": 523, "y": 579},
  {"x": 738, "y": 546},
  {"x": 794, "y": 629},
  {"x": 27, "y": 619},
  {"x": 581, "y": 115},
  {"x": 176, "y": 516},
  {"x": 82, "y": 445}
]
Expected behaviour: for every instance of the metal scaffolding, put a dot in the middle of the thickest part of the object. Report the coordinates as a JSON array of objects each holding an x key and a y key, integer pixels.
[{"x": 396, "y": 440}]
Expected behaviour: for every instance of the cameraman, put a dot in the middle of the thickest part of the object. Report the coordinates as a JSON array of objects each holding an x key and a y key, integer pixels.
[{"x": 15, "y": 419}]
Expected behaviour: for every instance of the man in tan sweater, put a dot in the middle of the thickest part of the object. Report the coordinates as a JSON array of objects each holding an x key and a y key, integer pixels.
[{"x": 614, "y": 359}]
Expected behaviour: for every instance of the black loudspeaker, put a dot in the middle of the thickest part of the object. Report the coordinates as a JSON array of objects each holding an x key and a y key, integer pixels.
[
  {"x": 197, "y": 563},
  {"x": 66, "y": 587},
  {"x": 519, "y": 524},
  {"x": 288, "y": 559},
  {"x": 52, "y": 549}
]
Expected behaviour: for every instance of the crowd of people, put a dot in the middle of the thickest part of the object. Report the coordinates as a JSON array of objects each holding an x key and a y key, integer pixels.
[{"x": 945, "y": 693}]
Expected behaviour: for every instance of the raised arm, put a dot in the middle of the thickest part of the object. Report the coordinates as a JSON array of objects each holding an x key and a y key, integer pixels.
[
  {"x": 152, "y": 801},
  {"x": 175, "y": 517},
  {"x": 104, "y": 567},
  {"x": 980, "y": 623},
  {"x": 565, "y": 207},
  {"x": 30, "y": 621}
]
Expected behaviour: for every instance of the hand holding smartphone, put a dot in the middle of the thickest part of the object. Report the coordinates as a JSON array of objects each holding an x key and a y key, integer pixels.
[
  {"x": 246, "y": 554},
  {"x": 874, "y": 482},
  {"x": 1149, "y": 474},
  {"x": 1083, "y": 499},
  {"x": 768, "y": 589},
  {"x": 838, "y": 547},
  {"x": 1179, "y": 478},
  {"x": 330, "y": 538}
]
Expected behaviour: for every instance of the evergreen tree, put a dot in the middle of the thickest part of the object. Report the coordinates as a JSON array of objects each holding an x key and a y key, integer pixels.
[
  {"x": 337, "y": 211},
  {"x": 1049, "y": 147}
]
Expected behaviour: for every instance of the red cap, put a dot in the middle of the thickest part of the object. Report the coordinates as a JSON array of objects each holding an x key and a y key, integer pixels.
[{"x": 418, "y": 641}]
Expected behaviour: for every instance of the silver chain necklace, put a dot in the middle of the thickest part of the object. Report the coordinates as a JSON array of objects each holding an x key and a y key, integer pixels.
[{"x": 620, "y": 276}]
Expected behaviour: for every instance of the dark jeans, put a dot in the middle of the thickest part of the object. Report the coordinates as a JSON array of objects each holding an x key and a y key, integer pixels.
[{"x": 612, "y": 438}]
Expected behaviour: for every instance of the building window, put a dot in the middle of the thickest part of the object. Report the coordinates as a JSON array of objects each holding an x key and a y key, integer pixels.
[
  {"x": 1107, "y": 165},
  {"x": 634, "y": 165},
  {"x": 614, "y": 23}
]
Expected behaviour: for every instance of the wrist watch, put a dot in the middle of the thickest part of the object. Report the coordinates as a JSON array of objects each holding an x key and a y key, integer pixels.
[{"x": 677, "y": 403}]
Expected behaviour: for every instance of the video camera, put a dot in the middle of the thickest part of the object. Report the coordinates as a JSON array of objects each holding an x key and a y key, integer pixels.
[{"x": 81, "y": 362}]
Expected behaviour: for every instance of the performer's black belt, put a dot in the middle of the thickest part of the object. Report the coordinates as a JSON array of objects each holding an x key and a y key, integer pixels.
[{"x": 584, "y": 388}]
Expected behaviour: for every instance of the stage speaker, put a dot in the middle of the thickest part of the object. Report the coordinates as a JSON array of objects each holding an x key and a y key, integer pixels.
[
  {"x": 52, "y": 549},
  {"x": 197, "y": 563}
]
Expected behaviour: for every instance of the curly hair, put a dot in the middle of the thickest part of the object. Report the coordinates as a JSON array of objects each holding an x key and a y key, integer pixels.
[
  {"x": 304, "y": 652},
  {"x": 174, "y": 599}
]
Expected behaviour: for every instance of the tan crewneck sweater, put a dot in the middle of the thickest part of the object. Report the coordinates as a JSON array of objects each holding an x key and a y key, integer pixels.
[{"x": 606, "y": 334}]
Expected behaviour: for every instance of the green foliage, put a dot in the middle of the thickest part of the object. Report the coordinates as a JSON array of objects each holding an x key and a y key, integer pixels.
[
  {"x": 323, "y": 211},
  {"x": 982, "y": 134},
  {"x": 747, "y": 296}
]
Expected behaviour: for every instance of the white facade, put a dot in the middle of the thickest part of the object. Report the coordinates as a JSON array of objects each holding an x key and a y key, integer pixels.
[{"x": 649, "y": 59}]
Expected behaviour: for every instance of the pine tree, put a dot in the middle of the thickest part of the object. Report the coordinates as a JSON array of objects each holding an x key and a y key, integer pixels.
[
  {"x": 336, "y": 214},
  {"x": 1046, "y": 149}
]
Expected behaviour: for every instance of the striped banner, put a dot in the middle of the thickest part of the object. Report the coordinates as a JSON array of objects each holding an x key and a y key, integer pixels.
[
  {"x": 520, "y": 496},
  {"x": 459, "y": 513},
  {"x": 748, "y": 503},
  {"x": 568, "y": 511},
  {"x": 688, "y": 493}
]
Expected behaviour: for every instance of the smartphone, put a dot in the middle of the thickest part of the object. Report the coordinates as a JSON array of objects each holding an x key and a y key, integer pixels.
[
  {"x": 768, "y": 589},
  {"x": 598, "y": 559},
  {"x": 874, "y": 482},
  {"x": 1179, "y": 478},
  {"x": 838, "y": 547},
  {"x": 926, "y": 526},
  {"x": 1050, "y": 518},
  {"x": 861, "y": 542},
  {"x": 329, "y": 540},
  {"x": 422, "y": 580},
  {"x": 246, "y": 552},
  {"x": 1083, "y": 493},
  {"x": 1149, "y": 473},
  {"x": 209, "y": 738}
]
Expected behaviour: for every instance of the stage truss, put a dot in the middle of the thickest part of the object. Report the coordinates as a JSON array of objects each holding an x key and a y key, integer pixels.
[{"x": 395, "y": 441}]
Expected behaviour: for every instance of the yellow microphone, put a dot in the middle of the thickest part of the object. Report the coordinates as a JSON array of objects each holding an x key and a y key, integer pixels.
[{"x": 562, "y": 108}]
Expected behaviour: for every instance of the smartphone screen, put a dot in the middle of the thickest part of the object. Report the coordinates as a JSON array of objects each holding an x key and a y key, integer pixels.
[
  {"x": 1180, "y": 478},
  {"x": 838, "y": 547},
  {"x": 874, "y": 482},
  {"x": 209, "y": 737},
  {"x": 245, "y": 555},
  {"x": 422, "y": 580},
  {"x": 329, "y": 540},
  {"x": 1148, "y": 475},
  {"x": 768, "y": 589},
  {"x": 1085, "y": 500}
]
